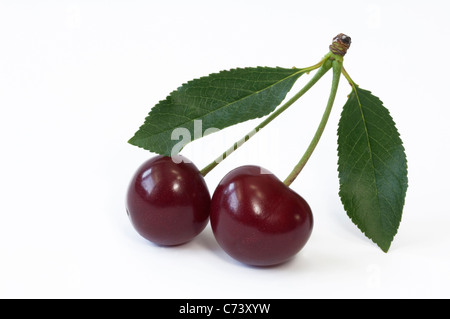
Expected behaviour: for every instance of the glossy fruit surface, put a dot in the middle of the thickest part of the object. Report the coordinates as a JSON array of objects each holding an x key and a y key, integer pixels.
[
  {"x": 258, "y": 220},
  {"x": 168, "y": 203}
]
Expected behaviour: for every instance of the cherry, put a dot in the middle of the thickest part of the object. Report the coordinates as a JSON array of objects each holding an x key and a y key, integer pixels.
[
  {"x": 257, "y": 219},
  {"x": 168, "y": 203}
]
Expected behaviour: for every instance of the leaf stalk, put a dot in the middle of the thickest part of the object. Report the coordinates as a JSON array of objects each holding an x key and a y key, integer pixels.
[{"x": 349, "y": 79}]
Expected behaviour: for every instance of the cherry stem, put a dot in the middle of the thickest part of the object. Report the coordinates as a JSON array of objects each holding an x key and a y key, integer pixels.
[
  {"x": 336, "y": 62},
  {"x": 323, "y": 67}
]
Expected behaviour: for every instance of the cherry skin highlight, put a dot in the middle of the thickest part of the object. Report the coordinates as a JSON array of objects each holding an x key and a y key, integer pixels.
[
  {"x": 257, "y": 219},
  {"x": 168, "y": 201}
]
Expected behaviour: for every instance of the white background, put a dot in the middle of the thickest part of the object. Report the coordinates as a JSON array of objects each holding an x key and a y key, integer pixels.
[{"x": 77, "y": 79}]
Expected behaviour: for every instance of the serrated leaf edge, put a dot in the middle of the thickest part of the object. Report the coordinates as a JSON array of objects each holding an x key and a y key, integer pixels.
[{"x": 384, "y": 248}]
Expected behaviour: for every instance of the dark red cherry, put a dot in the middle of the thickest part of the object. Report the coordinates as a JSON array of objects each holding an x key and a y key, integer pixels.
[
  {"x": 168, "y": 201},
  {"x": 257, "y": 219}
]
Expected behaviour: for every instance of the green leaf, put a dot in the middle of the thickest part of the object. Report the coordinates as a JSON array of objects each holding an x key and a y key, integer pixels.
[
  {"x": 213, "y": 102},
  {"x": 372, "y": 167}
]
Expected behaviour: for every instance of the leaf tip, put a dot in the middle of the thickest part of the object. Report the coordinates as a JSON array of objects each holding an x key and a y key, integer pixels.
[{"x": 384, "y": 247}]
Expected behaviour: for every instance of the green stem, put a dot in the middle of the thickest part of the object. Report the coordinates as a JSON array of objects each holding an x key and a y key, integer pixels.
[
  {"x": 337, "y": 69},
  {"x": 323, "y": 66},
  {"x": 349, "y": 79}
]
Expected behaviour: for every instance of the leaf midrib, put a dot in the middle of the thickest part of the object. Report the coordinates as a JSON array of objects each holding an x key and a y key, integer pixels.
[
  {"x": 370, "y": 151},
  {"x": 220, "y": 108}
]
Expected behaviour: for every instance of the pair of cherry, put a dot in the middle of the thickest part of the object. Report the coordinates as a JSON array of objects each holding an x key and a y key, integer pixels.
[{"x": 255, "y": 218}]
